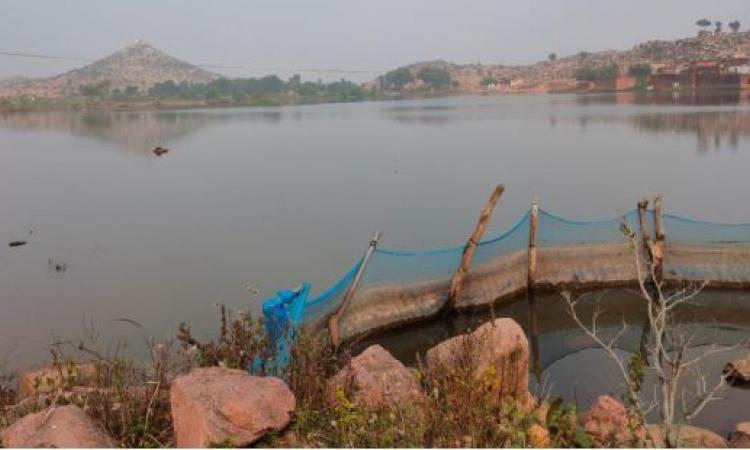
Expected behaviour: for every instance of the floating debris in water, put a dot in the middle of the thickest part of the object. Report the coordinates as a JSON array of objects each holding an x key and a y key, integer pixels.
[
  {"x": 16, "y": 243},
  {"x": 158, "y": 151},
  {"x": 57, "y": 266}
]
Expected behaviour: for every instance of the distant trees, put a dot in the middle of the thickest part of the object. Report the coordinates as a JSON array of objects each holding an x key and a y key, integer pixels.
[
  {"x": 258, "y": 90},
  {"x": 640, "y": 71},
  {"x": 718, "y": 25},
  {"x": 596, "y": 73},
  {"x": 734, "y": 26},
  {"x": 100, "y": 89},
  {"x": 552, "y": 56},
  {"x": 397, "y": 79},
  {"x": 703, "y": 23},
  {"x": 435, "y": 77}
]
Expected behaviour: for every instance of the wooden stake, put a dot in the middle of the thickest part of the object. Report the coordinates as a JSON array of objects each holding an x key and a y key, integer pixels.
[
  {"x": 645, "y": 237},
  {"x": 333, "y": 321},
  {"x": 657, "y": 250},
  {"x": 533, "y": 225},
  {"x": 658, "y": 225},
  {"x": 471, "y": 247}
]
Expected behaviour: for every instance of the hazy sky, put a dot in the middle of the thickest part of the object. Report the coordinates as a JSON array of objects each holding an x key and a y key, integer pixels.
[{"x": 350, "y": 34}]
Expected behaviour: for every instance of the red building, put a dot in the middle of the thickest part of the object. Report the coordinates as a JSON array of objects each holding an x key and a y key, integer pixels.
[{"x": 715, "y": 74}]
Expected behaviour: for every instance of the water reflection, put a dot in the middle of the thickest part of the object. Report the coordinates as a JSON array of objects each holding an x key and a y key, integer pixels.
[
  {"x": 137, "y": 132},
  {"x": 717, "y": 119}
]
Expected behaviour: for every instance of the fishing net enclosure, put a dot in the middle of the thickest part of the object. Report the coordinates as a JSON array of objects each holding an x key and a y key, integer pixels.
[{"x": 401, "y": 286}]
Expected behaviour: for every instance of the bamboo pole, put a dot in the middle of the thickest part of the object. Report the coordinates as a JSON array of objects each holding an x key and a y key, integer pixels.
[
  {"x": 333, "y": 321},
  {"x": 471, "y": 247}
]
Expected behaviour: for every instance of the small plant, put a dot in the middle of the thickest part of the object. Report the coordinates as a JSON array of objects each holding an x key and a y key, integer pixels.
[{"x": 240, "y": 343}]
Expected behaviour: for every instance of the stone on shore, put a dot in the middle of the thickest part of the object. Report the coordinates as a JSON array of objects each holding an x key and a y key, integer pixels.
[
  {"x": 740, "y": 435},
  {"x": 738, "y": 371},
  {"x": 690, "y": 437},
  {"x": 375, "y": 377},
  {"x": 499, "y": 347},
  {"x": 608, "y": 424},
  {"x": 61, "y": 427},
  {"x": 227, "y": 406},
  {"x": 53, "y": 378}
]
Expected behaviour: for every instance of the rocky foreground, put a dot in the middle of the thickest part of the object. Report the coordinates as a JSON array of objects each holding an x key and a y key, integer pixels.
[{"x": 218, "y": 406}]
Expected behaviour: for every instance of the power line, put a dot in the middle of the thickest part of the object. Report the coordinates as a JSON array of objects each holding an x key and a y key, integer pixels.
[{"x": 205, "y": 66}]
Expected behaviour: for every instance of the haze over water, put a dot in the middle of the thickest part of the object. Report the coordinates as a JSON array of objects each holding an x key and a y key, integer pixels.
[{"x": 266, "y": 198}]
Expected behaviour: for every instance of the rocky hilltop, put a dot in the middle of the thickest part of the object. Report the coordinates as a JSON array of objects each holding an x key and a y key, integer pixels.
[
  {"x": 559, "y": 73},
  {"x": 139, "y": 65}
]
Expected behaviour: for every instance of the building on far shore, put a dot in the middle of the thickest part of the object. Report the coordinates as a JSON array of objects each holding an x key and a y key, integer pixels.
[{"x": 732, "y": 73}]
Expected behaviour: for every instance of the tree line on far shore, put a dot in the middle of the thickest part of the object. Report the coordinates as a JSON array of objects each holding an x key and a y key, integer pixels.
[{"x": 235, "y": 89}]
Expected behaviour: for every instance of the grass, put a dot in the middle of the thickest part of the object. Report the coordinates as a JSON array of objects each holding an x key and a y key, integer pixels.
[{"x": 130, "y": 399}]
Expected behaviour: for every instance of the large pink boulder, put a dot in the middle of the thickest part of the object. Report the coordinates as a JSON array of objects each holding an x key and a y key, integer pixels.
[
  {"x": 61, "y": 427},
  {"x": 609, "y": 425},
  {"x": 690, "y": 437},
  {"x": 375, "y": 377},
  {"x": 221, "y": 406},
  {"x": 740, "y": 435},
  {"x": 497, "y": 350}
]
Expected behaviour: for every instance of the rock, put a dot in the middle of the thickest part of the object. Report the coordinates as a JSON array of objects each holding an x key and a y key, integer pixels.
[
  {"x": 158, "y": 151},
  {"x": 498, "y": 347},
  {"x": 690, "y": 437},
  {"x": 376, "y": 378},
  {"x": 62, "y": 427},
  {"x": 740, "y": 435},
  {"x": 538, "y": 436},
  {"x": 738, "y": 371},
  {"x": 217, "y": 405},
  {"x": 609, "y": 425},
  {"x": 53, "y": 378}
]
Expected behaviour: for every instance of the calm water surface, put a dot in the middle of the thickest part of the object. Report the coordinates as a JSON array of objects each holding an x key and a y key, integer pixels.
[{"x": 265, "y": 198}]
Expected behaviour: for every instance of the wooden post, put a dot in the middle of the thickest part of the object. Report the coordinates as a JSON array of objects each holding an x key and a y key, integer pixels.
[
  {"x": 658, "y": 225},
  {"x": 531, "y": 287},
  {"x": 657, "y": 250},
  {"x": 533, "y": 224},
  {"x": 471, "y": 247},
  {"x": 654, "y": 253},
  {"x": 333, "y": 321},
  {"x": 645, "y": 237}
]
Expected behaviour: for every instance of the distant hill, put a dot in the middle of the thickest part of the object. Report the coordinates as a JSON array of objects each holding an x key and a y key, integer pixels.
[
  {"x": 138, "y": 64},
  {"x": 559, "y": 73}
]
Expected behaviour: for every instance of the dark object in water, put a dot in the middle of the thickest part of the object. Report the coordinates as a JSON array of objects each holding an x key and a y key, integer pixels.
[
  {"x": 16, "y": 243},
  {"x": 57, "y": 266},
  {"x": 158, "y": 151}
]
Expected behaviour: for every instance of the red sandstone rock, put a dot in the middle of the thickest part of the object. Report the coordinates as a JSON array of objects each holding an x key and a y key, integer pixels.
[
  {"x": 216, "y": 405},
  {"x": 52, "y": 378},
  {"x": 62, "y": 427},
  {"x": 740, "y": 435},
  {"x": 377, "y": 378},
  {"x": 500, "y": 348},
  {"x": 608, "y": 423},
  {"x": 738, "y": 371},
  {"x": 690, "y": 437}
]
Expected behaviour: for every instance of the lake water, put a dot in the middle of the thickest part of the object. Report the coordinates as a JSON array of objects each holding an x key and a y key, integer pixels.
[{"x": 265, "y": 198}]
